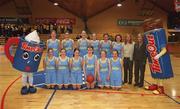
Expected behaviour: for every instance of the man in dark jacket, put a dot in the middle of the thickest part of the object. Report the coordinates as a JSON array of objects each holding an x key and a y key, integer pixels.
[{"x": 139, "y": 58}]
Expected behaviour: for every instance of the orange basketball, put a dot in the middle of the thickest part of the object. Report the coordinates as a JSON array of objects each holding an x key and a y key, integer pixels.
[{"x": 90, "y": 78}]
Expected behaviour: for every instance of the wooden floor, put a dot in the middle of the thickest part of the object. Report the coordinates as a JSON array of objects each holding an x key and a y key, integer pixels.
[{"x": 128, "y": 98}]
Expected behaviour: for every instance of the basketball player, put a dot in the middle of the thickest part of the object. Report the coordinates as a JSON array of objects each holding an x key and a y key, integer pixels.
[
  {"x": 103, "y": 69},
  {"x": 63, "y": 73},
  {"x": 49, "y": 65},
  {"x": 90, "y": 61},
  {"x": 116, "y": 71}
]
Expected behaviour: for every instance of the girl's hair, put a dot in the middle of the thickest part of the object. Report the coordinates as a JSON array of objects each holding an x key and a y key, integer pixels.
[
  {"x": 130, "y": 39},
  {"x": 120, "y": 37},
  {"x": 105, "y": 34},
  {"x": 103, "y": 51},
  {"x": 115, "y": 51},
  {"x": 52, "y": 32},
  {"x": 49, "y": 49},
  {"x": 63, "y": 49},
  {"x": 91, "y": 48},
  {"x": 76, "y": 49}
]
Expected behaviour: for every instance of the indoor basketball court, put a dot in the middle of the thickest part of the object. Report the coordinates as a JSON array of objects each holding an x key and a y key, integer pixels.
[{"x": 18, "y": 18}]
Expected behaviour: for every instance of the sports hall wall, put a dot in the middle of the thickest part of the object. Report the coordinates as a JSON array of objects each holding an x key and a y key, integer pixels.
[{"x": 101, "y": 23}]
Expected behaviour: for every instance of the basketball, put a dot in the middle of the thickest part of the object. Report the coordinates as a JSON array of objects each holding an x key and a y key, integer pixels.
[{"x": 90, "y": 78}]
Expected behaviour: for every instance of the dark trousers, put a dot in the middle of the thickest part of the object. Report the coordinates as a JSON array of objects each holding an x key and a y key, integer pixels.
[
  {"x": 139, "y": 72},
  {"x": 128, "y": 67}
]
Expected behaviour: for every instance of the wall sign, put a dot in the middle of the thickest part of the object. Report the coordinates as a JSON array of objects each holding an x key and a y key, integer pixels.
[
  {"x": 14, "y": 20},
  {"x": 129, "y": 22}
]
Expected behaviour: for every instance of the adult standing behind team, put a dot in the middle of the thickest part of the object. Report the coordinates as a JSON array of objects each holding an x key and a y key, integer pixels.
[
  {"x": 53, "y": 43},
  {"x": 139, "y": 58},
  {"x": 128, "y": 50}
]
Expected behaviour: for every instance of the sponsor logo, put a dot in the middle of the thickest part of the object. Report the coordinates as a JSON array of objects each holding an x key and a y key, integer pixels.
[
  {"x": 152, "y": 49},
  {"x": 26, "y": 47}
]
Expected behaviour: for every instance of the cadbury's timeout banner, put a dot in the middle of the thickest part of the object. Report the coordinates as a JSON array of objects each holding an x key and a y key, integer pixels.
[{"x": 155, "y": 41}]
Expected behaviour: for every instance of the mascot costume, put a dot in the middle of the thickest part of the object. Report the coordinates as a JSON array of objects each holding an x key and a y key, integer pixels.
[
  {"x": 26, "y": 59},
  {"x": 158, "y": 56}
]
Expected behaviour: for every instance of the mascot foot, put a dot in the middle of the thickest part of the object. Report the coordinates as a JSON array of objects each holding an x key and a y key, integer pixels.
[
  {"x": 32, "y": 89},
  {"x": 160, "y": 90},
  {"x": 151, "y": 87},
  {"x": 24, "y": 90}
]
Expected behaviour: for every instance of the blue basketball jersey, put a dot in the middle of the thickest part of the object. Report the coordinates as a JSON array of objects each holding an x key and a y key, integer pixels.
[
  {"x": 50, "y": 64},
  {"x": 90, "y": 64},
  {"x": 76, "y": 65},
  {"x": 63, "y": 73},
  {"x": 83, "y": 45},
  {"x": 107, "y": 47},
  {"x": 95, "y": 44},
  {"x": 76, "y": 71},
  {"x": 54, "y": 45},
  {"x": 50, "y": 70},
  {"x": 116, "y": 73},
  {"x": 68, "y": 46},
  {"x": 118, "y": 47},
  {"x": 103, "y": 72}
]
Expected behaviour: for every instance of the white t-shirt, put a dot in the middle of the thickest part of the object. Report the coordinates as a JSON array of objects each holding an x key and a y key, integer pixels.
[{"x": 128, "y": 50}]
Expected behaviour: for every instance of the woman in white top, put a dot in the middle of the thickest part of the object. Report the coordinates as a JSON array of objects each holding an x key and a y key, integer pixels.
[{"x": 128, "y": 51}]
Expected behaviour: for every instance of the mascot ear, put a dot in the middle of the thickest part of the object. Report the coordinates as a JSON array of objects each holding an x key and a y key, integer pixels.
[{"x": 9, "y": 43}]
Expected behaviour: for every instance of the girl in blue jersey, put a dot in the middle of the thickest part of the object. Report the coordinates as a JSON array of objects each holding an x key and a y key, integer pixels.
[
  {"x": 49, "y": 65},
  {"x": 76, "y": 65},
  {"x": 116, "y": 71},
  {"x": 63, "y": 73},
  {"x": 103, "y": 69},
  {"x": 96, "y": 45},
  {"x": 83, "y": 44},
  {"x": 90, "y": 61},
  {"x": 54, "y": 43},
  {"x": 68, "y": 44},
  {"x": 106, "y": 45},
  {"x": 117, "y": 45}
]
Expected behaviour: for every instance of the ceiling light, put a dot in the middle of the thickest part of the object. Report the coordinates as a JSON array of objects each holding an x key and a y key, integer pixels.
[
  {"x": 55, "y": 4},
  {"x": 119, "y": 5}
]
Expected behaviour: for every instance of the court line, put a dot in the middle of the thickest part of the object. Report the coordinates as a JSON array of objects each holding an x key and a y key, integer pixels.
[
  {"x": 119, "y": 92},
  {"x": 49, "y": 100},
  {"x": 6, "y": 91},
  {"x": 166, "y": 94}
]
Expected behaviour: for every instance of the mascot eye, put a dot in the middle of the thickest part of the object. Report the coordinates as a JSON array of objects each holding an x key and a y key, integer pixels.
[
  {"x": 25, "y": 55},
  {"x": 36, "y": 57}
]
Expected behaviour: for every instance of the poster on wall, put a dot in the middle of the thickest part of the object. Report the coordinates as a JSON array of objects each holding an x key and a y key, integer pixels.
[
  {"x": 60, "y": 25},
  {"x": 177, "y": 5}
]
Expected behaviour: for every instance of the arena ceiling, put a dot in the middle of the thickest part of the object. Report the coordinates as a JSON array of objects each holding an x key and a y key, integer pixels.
[{"x": 87, "y": 8}]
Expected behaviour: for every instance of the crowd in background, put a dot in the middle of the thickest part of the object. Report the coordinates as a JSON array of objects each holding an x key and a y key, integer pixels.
[{"x": 9, "y": 30}]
